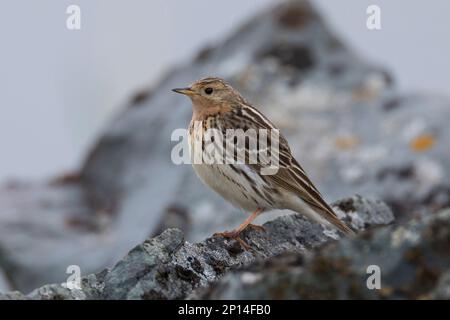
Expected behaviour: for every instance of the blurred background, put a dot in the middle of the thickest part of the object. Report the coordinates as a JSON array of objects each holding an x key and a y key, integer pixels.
[
  {"x": 86, "y": 115},
  {"x": 59, "y": 87}
]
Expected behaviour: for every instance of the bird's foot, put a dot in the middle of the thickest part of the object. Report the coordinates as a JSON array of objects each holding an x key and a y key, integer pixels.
[
  {"x": 256, "y": 227},
  {"x": 235, "y": 235}
]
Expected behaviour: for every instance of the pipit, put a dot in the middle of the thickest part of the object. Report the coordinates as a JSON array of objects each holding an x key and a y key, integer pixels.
[{"x": 216, "y": 105}]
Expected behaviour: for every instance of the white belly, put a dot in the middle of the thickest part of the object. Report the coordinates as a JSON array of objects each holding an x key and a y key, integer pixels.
[{"x": 238, "y": 194}]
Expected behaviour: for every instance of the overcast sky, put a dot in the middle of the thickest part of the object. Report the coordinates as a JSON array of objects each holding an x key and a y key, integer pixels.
[{"x": 58, "y": 88}]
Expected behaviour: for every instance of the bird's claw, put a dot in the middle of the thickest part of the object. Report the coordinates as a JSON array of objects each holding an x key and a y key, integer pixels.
[
  {"x": 256, "y": 227},
  {"x": 233, "y": 235}
]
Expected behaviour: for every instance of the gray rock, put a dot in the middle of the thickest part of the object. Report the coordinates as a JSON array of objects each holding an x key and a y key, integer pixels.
[
  {"x": 168, "y": 267},
  {"x": 442, "y": 290},
  {"x": 413, "y": 259},
  {"x": 4, "y": 283},
  {"x": 15, "y": 295},
  {"x": 43, "y": 230},
  {"x": 346, "y": 123}
]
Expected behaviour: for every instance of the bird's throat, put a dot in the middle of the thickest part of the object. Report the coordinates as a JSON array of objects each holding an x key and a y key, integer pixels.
[{"x": 203, "y": 110}]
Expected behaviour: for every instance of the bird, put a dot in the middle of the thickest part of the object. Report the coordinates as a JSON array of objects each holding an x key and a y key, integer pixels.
[{"x": 217, "y": 105}]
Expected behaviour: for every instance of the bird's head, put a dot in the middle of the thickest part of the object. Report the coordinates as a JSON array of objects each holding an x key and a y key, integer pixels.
[{"x": 211, "y": 93}]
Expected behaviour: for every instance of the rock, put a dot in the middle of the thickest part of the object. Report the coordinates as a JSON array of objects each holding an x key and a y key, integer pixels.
[
  {"x": 360, "y": 134},
  {"x": 442, "y": 290},
  {"x": 174, "y": 216},
  {"x": 168, "y": 267},
  {"x": 414, "y": 261},
  {"x": 4, "y": 283},
  {"x": 43, "y": 230},
  {"x": 15, "y": 295}
]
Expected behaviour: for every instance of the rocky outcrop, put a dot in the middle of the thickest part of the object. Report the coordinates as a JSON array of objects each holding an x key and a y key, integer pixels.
[
  {"x": 413, "y": 262},
  {"x": 168, "y": 267},
  {"x": 293, "y": 259},
  {"x": 346, "y": 123}
]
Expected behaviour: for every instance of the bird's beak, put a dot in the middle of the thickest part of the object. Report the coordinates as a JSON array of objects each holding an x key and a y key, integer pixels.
[{"x": 186, "y": 91}]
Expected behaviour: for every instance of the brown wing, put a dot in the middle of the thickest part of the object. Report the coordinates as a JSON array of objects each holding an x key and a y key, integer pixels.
[
  {"x": 290, "y": 175},
  {"x": 293, "y": 178}
]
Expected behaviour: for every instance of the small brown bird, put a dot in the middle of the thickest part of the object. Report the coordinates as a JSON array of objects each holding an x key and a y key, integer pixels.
[{"x": 216, "y": 105}]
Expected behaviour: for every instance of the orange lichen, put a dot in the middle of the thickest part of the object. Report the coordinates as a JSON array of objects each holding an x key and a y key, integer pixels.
[
  {"x": 386, "y": 292},
  {"x": 363, "y": 94},
  {"x": 423, "y": 143},
  {"x": 346, "y": 143}
]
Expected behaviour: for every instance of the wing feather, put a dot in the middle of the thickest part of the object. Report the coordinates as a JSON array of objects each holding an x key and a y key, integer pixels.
[{"x": 290, "y": 176}]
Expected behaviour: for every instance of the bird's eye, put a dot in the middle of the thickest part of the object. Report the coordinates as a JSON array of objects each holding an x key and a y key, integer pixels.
[{"x": 209, "y": 90}]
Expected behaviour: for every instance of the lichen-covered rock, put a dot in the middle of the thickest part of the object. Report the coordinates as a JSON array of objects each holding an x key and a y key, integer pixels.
[
  {"x": 413, "y": 260},
  {"x": 168, "y": 267},
  {"x": 442, "y": 290},
  {"x": 15, "y": 295}
]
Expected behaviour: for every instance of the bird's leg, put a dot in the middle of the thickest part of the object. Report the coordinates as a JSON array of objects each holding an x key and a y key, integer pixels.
[
  {"x": 235, "y": 234},
  {"x": 248, "y": 221}
]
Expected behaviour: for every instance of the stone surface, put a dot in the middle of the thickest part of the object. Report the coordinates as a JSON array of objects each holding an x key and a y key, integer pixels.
[
  {"x": 414, "y": 261},
  {"x": 346, "y": 123},
  {"x": 168, "y": 267}
]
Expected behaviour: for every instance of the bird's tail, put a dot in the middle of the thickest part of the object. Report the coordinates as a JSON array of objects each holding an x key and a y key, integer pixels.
[
  {"x": 341, "y": 225},
  {"x": 323, "y": 215}
]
